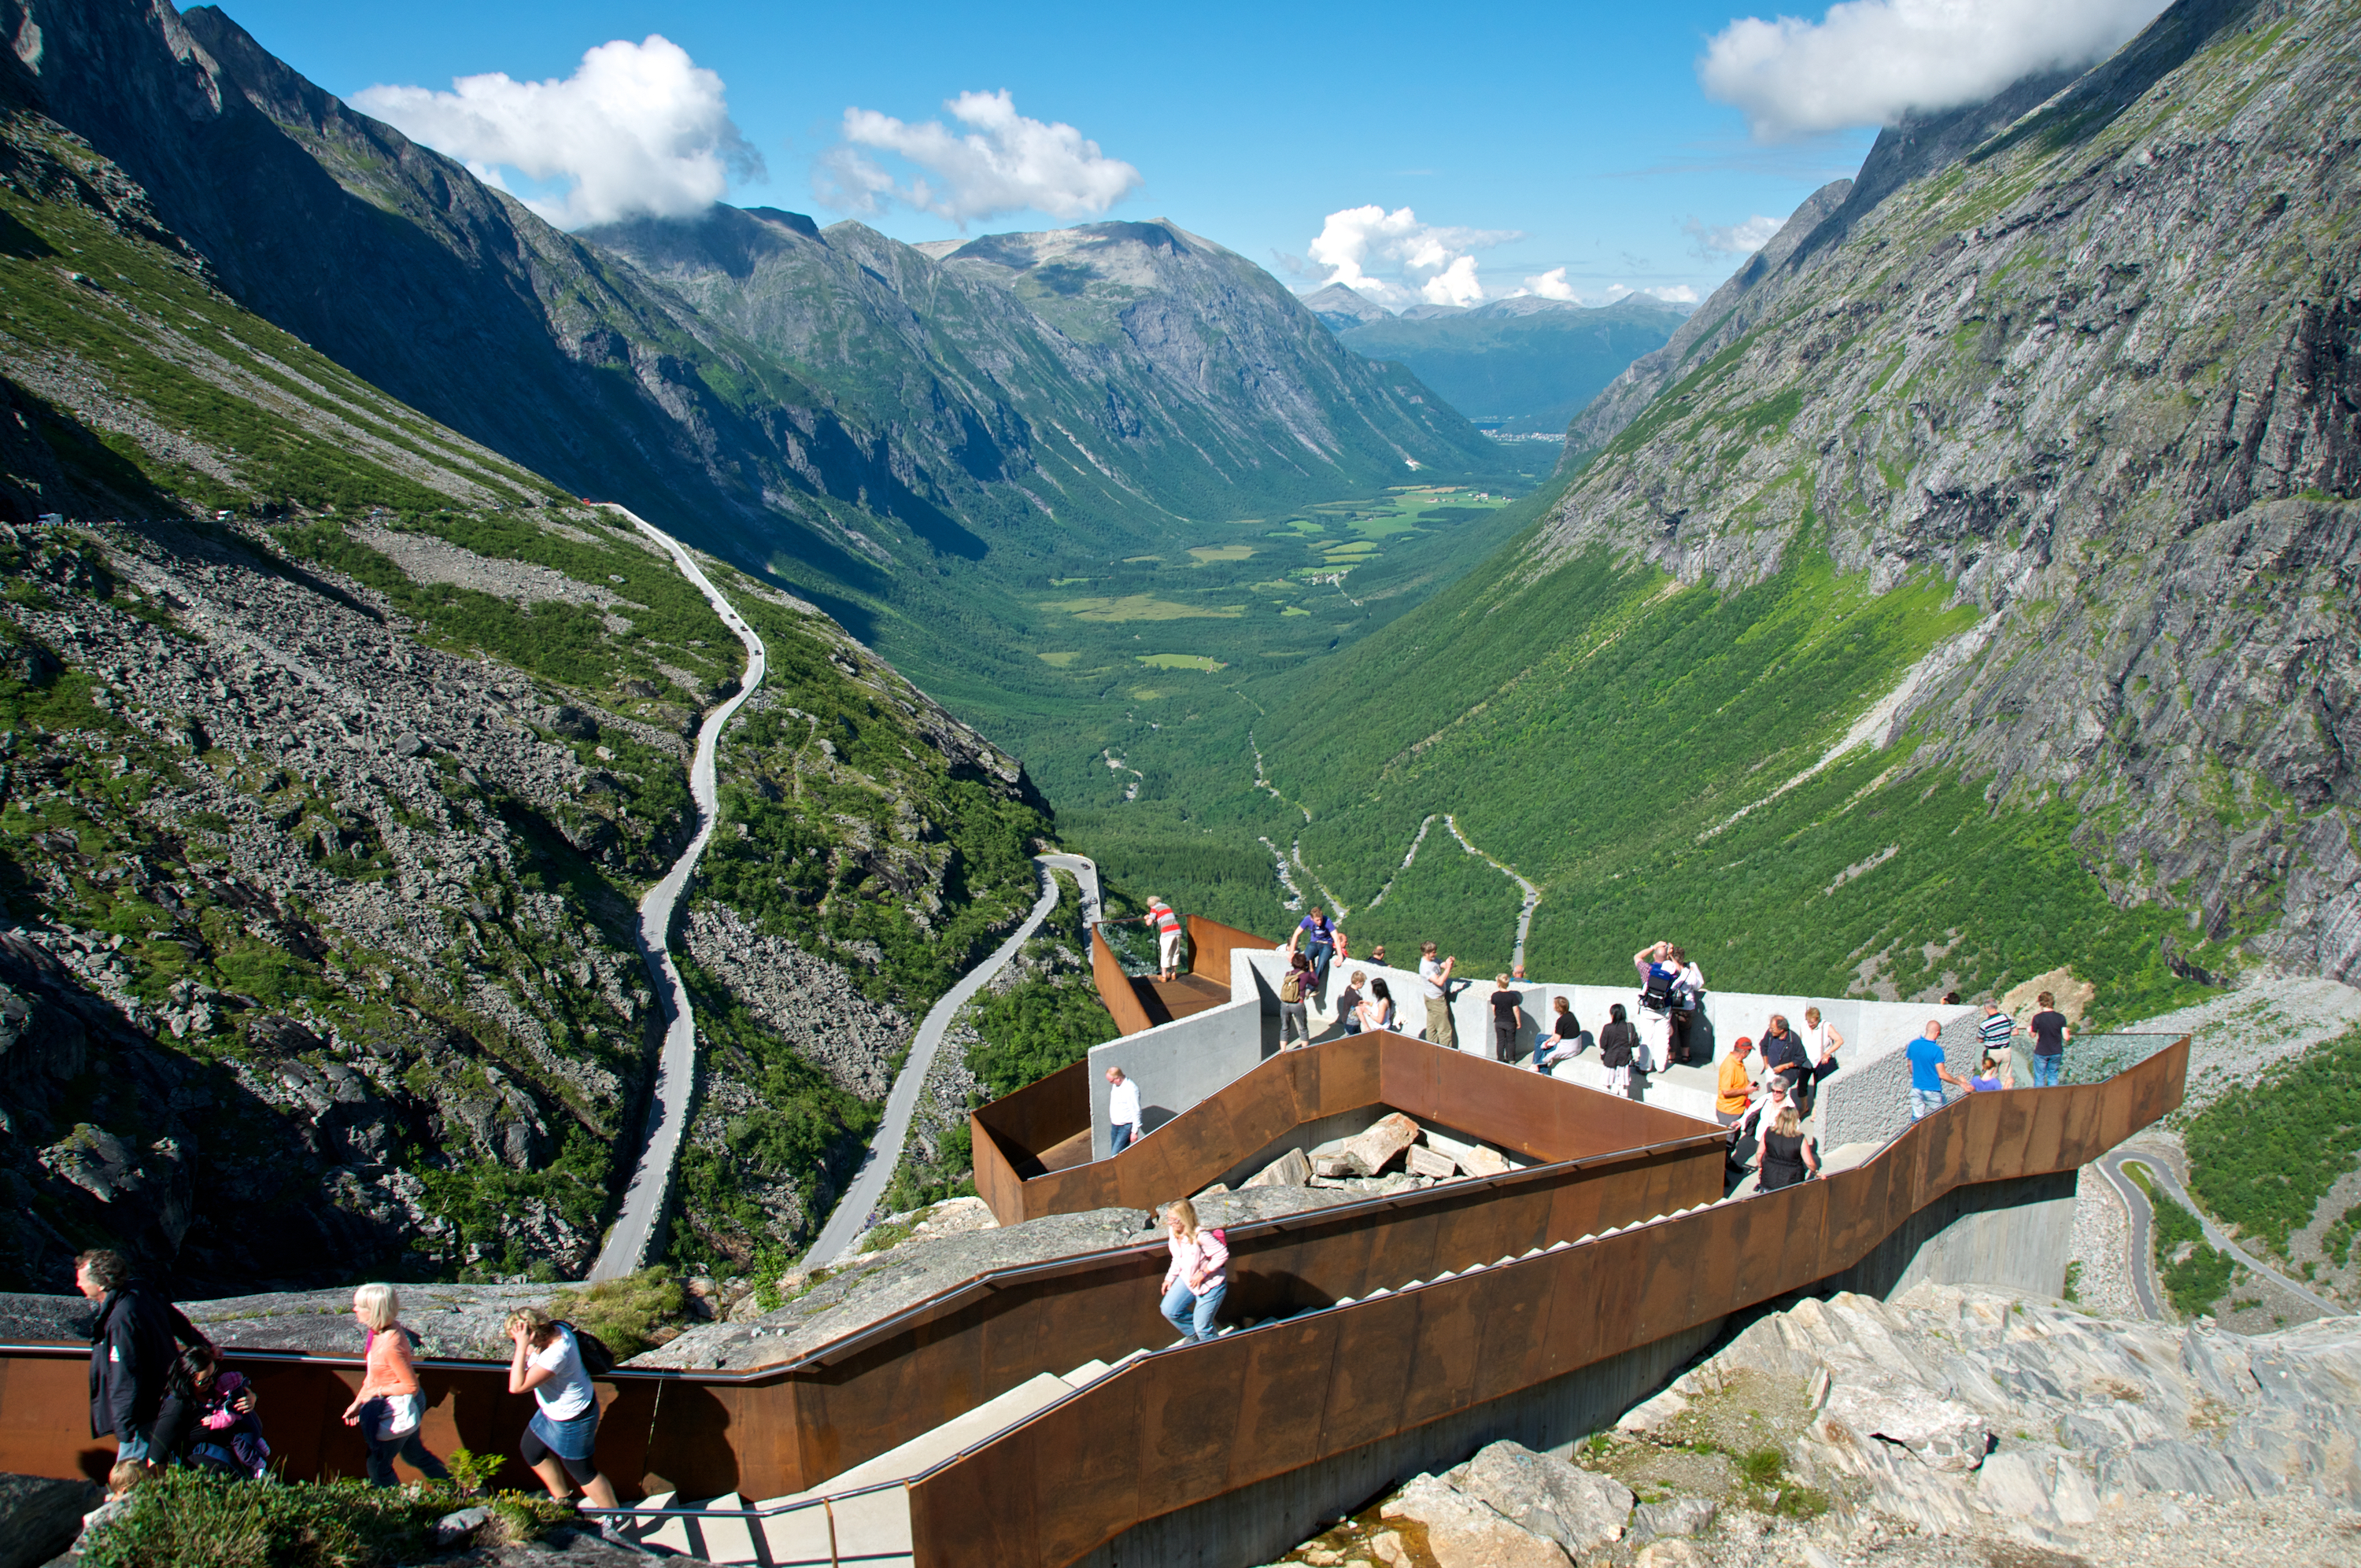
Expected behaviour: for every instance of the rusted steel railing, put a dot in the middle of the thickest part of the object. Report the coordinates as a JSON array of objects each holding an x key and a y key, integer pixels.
[{"x": 1166, "y": 1433}]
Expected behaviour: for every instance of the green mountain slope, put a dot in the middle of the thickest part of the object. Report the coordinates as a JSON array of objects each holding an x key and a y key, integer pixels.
[
  {"x": 2033, "y": 478},
  {"x": 1528, "y": 363},
  {"x": 321, "y": 824}
]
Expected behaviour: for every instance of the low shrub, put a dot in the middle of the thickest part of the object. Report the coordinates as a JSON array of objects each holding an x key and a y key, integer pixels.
[
  {"x": 632, "y": 1314},
  {"x": 190, "y": 1519}
]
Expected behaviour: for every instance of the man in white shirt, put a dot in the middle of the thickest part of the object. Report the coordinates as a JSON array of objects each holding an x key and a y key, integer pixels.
[
  {"x": 1123, "y": 1111},
  {"x": 1434, "y": 981}
]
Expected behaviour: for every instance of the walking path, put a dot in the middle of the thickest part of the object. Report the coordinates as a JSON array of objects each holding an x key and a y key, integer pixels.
[
  {"x": 644, "y": 1200},
  {"x": 1533, "y": 893},
  {"x": 855, "y": 1210}
]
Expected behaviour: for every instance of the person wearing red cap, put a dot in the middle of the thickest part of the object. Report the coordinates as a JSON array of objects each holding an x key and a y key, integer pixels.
[{"x": 1736, "y": 1084}]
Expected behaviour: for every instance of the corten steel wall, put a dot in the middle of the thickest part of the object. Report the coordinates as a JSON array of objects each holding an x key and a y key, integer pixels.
[
  {"x": 1009, "y": 1136},
  {"x": 1170, "y": 1431},
  {"x": 787, "y": 1429},
  {"x": 1537, "y": 1118},
  {"x": 1115, "y": 994},
  {"x": 1211, "y": 943}
]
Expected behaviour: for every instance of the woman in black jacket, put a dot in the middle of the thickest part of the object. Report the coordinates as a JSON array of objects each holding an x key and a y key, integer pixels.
[{"x": 1616, "y": 1043}]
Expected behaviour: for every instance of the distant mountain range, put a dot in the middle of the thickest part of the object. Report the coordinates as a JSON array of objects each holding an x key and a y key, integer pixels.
[
  {"x": 909, "y": 441},
  {"x": 1526, "y": 364}
]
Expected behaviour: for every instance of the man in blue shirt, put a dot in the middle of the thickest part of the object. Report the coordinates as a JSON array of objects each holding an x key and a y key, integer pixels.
[{"x": 1929, "y": 1072}]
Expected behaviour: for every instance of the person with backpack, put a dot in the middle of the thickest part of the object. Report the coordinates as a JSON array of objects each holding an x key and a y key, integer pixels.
[
  {"x": 1659, "y": 990},
  {"x": 1294, "y": 1000},
  {"x": 390, "y": 1404},
  {"x": 1618, "y": 1044},
  {"x": 131, "y": 1350},
  {"x": 1198, "y": 1276},
  {"x": 1315, "y": 937},
  {"x": 563, "y": 1431}
]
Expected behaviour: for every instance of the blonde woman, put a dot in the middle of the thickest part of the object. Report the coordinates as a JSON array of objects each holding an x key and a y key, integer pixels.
[
  {"x": 560, "y": 1439},
  {"x": 1198, "y": 1275},
  {"x": 389, "y": 1404},
  {"x": 1787, "y": 1152}
]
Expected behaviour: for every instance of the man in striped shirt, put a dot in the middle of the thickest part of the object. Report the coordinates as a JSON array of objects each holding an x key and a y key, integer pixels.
[
  {"x": 1997, "y": 1029},
  {"x": 1168, "y": 938}
]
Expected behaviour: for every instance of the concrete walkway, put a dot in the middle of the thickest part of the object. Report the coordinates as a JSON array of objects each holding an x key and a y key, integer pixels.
[
  {"x": 855, "y": 1210},
  {"x": 636, "y": 1228}
]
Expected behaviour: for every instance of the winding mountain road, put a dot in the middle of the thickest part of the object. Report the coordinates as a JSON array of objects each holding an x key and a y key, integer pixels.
[
  {"x": 2164, "y": 1168},
  {"x": 858, "y": 1207},
  {"x": 635, "y": 1229},
  {"x": 1533, "y": 893}
]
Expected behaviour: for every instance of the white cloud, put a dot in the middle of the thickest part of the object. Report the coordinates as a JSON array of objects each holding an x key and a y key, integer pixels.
[
  {"x": 1731, "y": 239},
  {"x": 1868, "y": 62},
  {"x": 1005, "y": 163},
  {"x": 1398, "y": 260},
  {"x": 1552, "y": 285},
  {"x": 639, "y": 127}
]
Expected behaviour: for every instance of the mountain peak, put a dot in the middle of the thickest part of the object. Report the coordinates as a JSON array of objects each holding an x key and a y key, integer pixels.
[{"x": 1343, "y": 309}]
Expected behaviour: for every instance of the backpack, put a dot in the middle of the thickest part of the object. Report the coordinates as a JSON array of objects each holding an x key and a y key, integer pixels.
[
  {"x": 596, "y": 1359},
  {"x": 1292, "y": 989},
  {"x": 1656, "y": 995}
]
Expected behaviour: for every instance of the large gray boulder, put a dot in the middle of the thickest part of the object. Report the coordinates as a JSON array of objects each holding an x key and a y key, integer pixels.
[
  {"x": 1462, "y": 1532},
  {"x": 1581, "y": 1511}
]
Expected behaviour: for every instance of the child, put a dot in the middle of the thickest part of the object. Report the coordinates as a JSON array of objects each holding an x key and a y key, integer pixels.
[{"x": 127, "y": 1475}]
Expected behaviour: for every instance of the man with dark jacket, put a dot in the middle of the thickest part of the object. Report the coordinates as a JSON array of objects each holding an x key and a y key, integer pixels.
[{"x": 131, "y": 1351}]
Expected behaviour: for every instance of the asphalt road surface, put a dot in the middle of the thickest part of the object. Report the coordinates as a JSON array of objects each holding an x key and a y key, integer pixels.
[
  {"x": 644, "y": 1200},
  {"x": 2164, "y": 1168},
  {"x": 857, "y": 1208}
]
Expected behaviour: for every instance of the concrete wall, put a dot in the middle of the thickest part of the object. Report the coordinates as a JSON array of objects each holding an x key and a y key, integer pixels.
[
  {"x": 2012, "y": 1236},
  {"x": 1179, "y": 1064}
]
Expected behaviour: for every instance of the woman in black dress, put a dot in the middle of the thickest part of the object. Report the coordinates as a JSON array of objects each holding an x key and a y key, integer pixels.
[
  {"x": 1786, "y": 1152},
  {"x": 1616, "y": 1043}
]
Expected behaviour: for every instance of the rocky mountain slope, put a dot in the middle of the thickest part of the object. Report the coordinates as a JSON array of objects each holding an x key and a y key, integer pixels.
[
  {"x": 1983, "y": 605},
  {"x": 1528, "y": 362}
]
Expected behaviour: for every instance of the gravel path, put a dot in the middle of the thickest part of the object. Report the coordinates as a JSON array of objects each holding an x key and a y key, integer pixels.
[{"x": 634, "y": 1233}]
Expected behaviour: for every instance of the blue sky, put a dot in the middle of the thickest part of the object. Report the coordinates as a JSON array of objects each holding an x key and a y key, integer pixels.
[{"x": 1584, "y": 128}]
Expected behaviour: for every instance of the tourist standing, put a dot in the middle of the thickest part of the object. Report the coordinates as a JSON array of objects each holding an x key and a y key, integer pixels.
[
  {"x": 1294, "y": 1000},
  {"x": 1688, "y": 1001},
  {"x": 1658, "y": 982},
  {"x": 563, "y": 1431},
  {"x": 1435, "y": 983},
  {"x": 1928, "y": 1071},
  {"x": 1788, "y": 1153},
  {"x": 1348, "y": 1003},
  {"x": 1122, "y": 1111},
  {"x": 1617, "y": 1043},
  {"x": 1734, "y": 1084},
  {"x": 1996, "y": 1030},
  {"x": 1198, "y": 1276},
  {"x": 1315, "y": 937},
  {"x": 1508, "y": 1018},
  {"x": 389, "y": 1404},
  {"x": 1168, "y": 938},
  {"x": 1783, "y": 1057},
  {"x": 2050, "y": 1032},
  {"x": 131, "y": 1351}
]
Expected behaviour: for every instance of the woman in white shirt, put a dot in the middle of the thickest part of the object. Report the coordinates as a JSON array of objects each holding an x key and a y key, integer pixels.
[
  {"x": 1377, "y": 1008},
  {"x": 560, "y": 1438}
]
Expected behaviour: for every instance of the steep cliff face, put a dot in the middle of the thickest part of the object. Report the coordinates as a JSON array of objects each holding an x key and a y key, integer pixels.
[{"x": 2087, "y": 357}]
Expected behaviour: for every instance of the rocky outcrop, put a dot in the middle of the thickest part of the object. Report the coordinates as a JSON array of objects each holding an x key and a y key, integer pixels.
[
  {"x": 2087, "y": 354},
  {"x": 807, "y": 1002}
]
